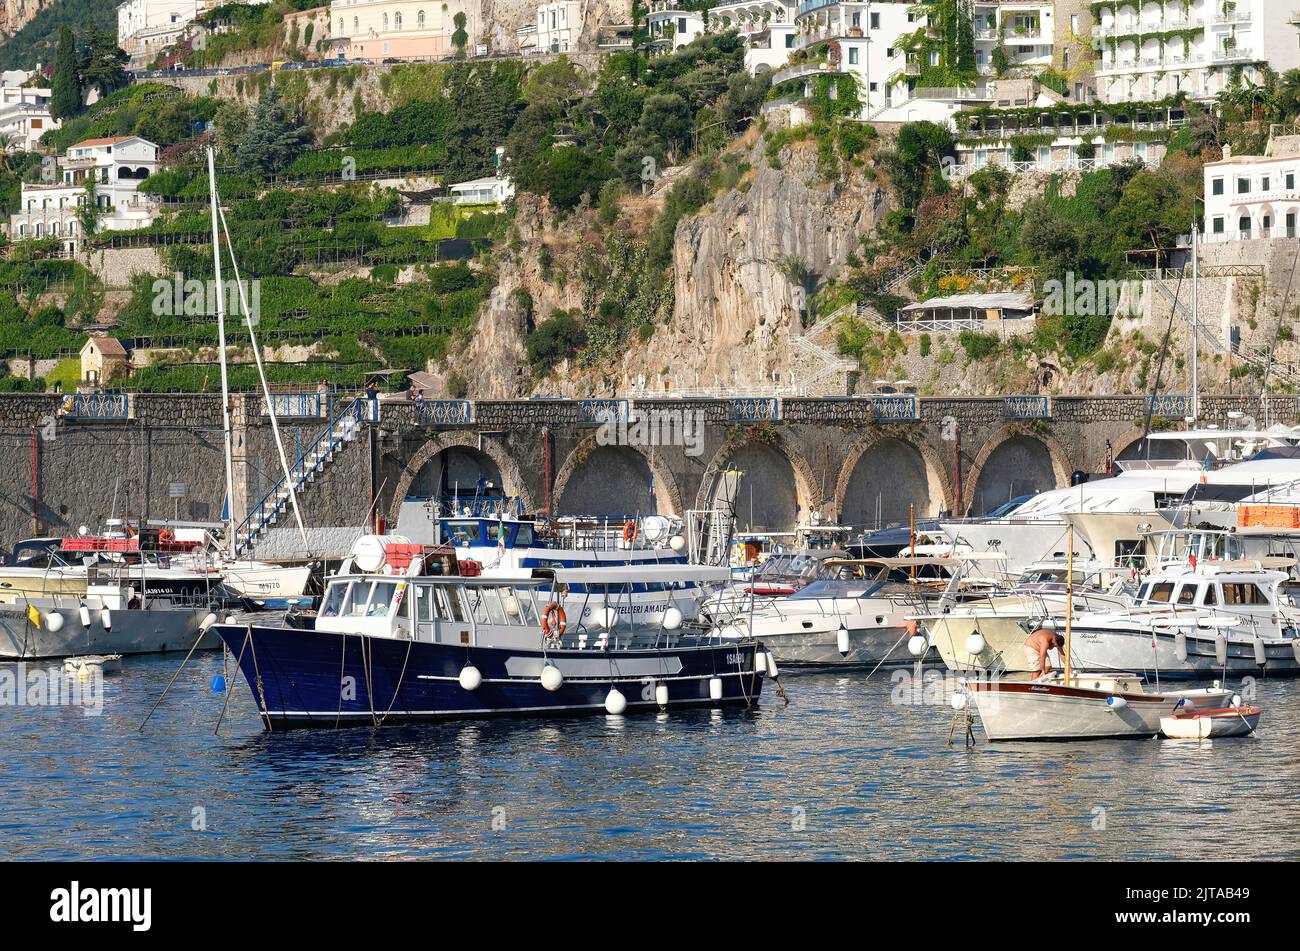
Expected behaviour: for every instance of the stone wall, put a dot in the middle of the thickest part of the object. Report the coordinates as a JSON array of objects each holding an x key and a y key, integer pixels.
[{"x": 63, "y": 473}]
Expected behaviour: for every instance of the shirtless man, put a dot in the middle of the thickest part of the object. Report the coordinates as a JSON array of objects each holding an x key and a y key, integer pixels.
[{"x": 1039, "y": 643}]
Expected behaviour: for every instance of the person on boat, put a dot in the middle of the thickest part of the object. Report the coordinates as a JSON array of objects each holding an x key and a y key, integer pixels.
[{"x": 1038, "y": 647}]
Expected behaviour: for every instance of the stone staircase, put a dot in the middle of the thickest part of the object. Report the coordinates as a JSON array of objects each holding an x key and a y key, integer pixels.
[
  {"x": 344, "y": 425},
  {"x": 1240, "y": 351}
]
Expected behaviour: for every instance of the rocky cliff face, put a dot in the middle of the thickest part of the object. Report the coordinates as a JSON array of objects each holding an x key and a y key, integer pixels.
[
  {"x": 16, "y": 14},
  {"x": 734, "y": 307}
]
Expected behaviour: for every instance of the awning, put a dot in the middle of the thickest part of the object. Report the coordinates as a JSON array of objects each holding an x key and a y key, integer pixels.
[{"x": 632, "y": 574}]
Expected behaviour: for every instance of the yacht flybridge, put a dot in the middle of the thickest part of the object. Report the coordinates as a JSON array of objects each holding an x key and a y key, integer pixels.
[{"x": 418, "y": 638}]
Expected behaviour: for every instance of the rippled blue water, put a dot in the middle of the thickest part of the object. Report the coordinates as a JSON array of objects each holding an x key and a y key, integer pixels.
[{"x": 842, "y": 772}]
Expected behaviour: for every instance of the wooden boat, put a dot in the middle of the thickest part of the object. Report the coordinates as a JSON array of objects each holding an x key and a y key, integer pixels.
[{"x": 1211, "y": 724}]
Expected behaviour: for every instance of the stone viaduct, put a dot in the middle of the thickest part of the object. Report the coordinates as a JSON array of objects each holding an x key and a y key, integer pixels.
[{"x": 862, "y": 461}]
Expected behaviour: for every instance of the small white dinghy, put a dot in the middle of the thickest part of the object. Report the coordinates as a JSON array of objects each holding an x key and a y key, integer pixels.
[
  {"x": 86, "y": 665},
  {"x": 1211, "y": 724}
]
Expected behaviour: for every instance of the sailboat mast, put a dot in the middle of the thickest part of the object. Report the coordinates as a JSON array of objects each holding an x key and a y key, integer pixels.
[
  {"x": 1069, "y": 600},
  {"x": 221, "y": 353},
  {"x": 1196, "y": 316}
]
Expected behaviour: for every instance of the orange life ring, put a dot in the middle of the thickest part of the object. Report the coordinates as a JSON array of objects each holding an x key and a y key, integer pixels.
[
  {"x": 554, "y": 621},
  {"x": 629, "y": 530}
]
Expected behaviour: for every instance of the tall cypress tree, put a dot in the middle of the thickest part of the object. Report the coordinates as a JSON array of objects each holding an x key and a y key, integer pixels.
[{"x": 65, "y": 90}]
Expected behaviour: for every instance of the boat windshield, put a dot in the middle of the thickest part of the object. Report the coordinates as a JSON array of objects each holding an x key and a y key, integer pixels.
[
  {"x": 837, "y": 588},
  {"x": 363, "y": 598}
]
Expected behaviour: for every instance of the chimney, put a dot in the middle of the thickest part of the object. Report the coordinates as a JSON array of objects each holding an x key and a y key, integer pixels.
[{"x": 1227, "y": 151}]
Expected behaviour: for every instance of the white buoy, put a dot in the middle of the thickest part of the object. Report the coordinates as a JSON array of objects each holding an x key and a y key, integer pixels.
[
  {"x": 1295, "y": 649},
  {"x": 1261, "y": 657},
  {"x": 661, "y": 694},
  {"x": 84, "y": 613},
  {"x": 760, "y": 662},
  {"x": 677, "y": 543},
  {"x": 958, "y": 700},
  {"x": 511, "y": 605},
  {"x": 607, "y": 618},
  {"x": 772, "y": 670},
  {"x": 615, "y": 702},
  {"x": 551, "y": 677},
  {"x": 1180, "y": 644},
  {"x": 842, "y": 640},
  {"x": 672, "y": 619},
  {"x": 470, "y": 678},
  {"x": 230, "y": 619},
  {"x": 207, "y": 621},
  {"x": 917, "y": 645},
  {"x": 1116, "y": 703},
  {"x": 1236, "y": 700},
  {"x": 54, "y": 621},
  {"x": 106, "y": 619},
  {"x": 1221, "y": 649},
  {"x": 975, "y": 644},
  {"x": 715, "y": 688}
]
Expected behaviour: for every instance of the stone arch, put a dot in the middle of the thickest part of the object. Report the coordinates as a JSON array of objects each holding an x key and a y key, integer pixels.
[
  {"x": 668, "y": 497},
  {"x": 1058, "y": 458},
  {"x": 512, "y": 477},
  {"x": 938, "y": 484},
  {"x": 808, "y": 497}
]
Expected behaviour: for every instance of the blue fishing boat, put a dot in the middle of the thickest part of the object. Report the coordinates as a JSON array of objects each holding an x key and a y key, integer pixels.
[{"x": 418, "y": 640}]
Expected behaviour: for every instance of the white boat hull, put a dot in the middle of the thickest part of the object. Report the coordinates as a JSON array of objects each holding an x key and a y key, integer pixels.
[
  {"x": 132, "y": 632},
  {"x": 1222, "y": 723},
  {"x": 1034, "y": 711}
]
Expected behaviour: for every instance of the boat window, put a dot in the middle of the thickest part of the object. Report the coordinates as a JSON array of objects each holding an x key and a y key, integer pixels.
[
  {"x": 381, "y": 597},
  {"x": 485, "y": 606},
  {"x": 1289, "y": 593},
  {"x": 334, "y": 595},
  {"x": 450, "y": 605},
  {"x": 358, "y": 597},
  {"x": 1162, "y": 592},
  {"x": 524, "y": 538},
  {"x": 1142, "y": 592},
  {"x": 424, "y": 602},
  {"x": 525, "y": 610},
  {"x": 1241, "y": 592},
  {"x": 1211, "y": 597},
  {"x": 1187, "y": 594},
  {"x": 461, "y": 533}
]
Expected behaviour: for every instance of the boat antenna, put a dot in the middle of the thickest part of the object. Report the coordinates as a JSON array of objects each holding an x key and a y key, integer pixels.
[
  {"x": 221, "y": 350},
  {"x": 1160, "y": 365},
  {"x": 261, "y": 376}
]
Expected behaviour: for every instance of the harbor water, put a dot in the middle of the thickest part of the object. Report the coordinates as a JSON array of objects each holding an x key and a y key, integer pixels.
[{"x": 843, "y": 772}]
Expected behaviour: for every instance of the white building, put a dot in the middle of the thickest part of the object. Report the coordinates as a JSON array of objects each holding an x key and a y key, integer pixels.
[
  {"x": 671, "y": 26},
  {"x": 410, "y": 30},
  {"x": 1249, "y": 197},
  {"x": 556, "y": 30},
  {"x": 1025, "y": 33},
  {"x": 767, "y": 25},
  {"x": 863, "y": 41},
  {"x": 24, "y": 113},
  {"x": 483, "y": 191},
  {"x": 146, "y": 27},
  {"x": 115, "y": 166},
  {"x": 1148, "y": 50}
]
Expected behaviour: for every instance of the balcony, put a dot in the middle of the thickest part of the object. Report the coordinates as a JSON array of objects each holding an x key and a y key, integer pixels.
[
  {"x": 804, "y": 70},
  {"x": 1238, "y": 54}
]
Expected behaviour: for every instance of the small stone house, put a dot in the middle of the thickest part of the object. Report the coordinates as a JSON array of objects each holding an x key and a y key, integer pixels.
[{"x": 103, "y": 359}]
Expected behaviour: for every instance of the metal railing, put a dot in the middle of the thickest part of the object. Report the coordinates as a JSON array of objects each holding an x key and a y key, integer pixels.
[
  {"x": 599, "y": 412},
  {"x": 444, "y": 412},
  {"x": 297, "y": 404},
  {"x": 899, "y": 407},
  {"x": 1027, "y": 407},
  {"x": 97, "y": 405},
  {"x": 754, "y": 410},
  {"x": 341, "y": 429}
]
